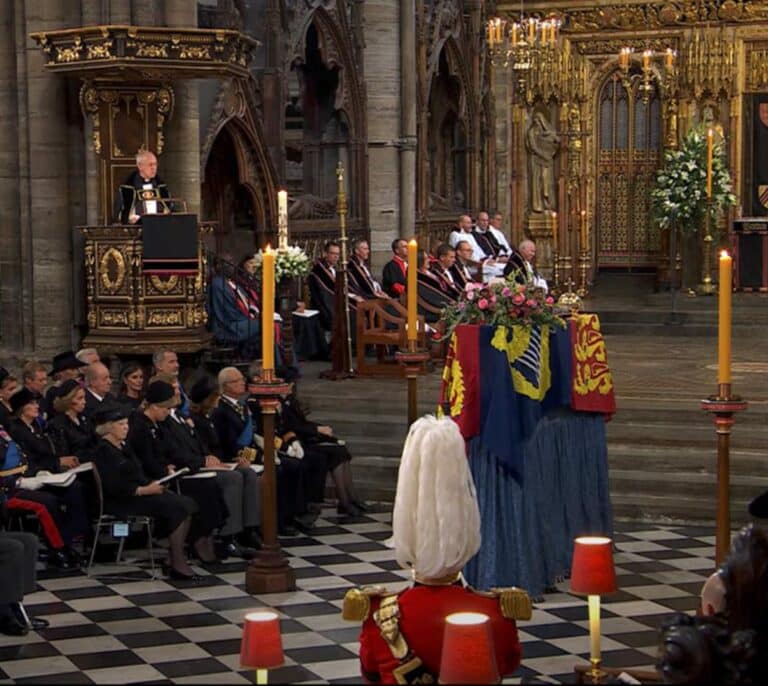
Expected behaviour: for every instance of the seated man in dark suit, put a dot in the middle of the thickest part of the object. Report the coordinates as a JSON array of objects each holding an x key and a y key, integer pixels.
[
  {"x": 394, "y": 275},
  {"x": 129, "y": 202},
  {"x": 98, "y": 384}
]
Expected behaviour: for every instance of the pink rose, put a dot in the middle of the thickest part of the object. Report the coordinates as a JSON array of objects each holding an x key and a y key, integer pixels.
[
  {"x": 519, "y": 299},
  {"x": 531, "y": 302},
  {"x": 506, "y": 292},
  {"x": 549, "y": 300},
  {"x": 470, "y": 295},
  {"x": 493, "y": 299},
  {"x": 482, "y": 304}
]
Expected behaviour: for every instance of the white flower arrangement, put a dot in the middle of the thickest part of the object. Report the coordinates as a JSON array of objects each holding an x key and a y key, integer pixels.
[
  {"x": 291, "y": 263},
  {"x": 679, "y": 197}
]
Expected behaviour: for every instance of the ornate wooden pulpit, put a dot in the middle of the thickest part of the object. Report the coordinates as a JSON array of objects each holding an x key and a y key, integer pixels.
[
  {"x": 131, "y": 311},
  {"x": 129, "y": 75}
]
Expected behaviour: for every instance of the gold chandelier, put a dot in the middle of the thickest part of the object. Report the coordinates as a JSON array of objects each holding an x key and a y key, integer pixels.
[
  {"x": 651, "y": 70},
  {"x": 542, "y": 64}
]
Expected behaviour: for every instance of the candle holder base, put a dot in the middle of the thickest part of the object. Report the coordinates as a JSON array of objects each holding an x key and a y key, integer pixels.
[
  {"x": 723, "y": 407},
  {"x": 412, "y": 362},
  {"x": 706, "y": 288},
  {"x": 269, "y": 571}
]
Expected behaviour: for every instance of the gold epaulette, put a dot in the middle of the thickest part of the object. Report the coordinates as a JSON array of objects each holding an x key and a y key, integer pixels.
[
  {"x": 357, "y": 602},
  {"x": 514, "y": 602}
]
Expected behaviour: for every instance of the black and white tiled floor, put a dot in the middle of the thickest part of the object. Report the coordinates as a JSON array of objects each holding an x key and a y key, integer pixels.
[{"x": 135, "y": 629}]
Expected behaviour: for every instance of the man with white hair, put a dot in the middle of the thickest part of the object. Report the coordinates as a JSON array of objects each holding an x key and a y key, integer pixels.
[
  {"x": 436, "y": 527},
  {"x": 88, "y": 355},
  {"x": 527, "y": 251},
  {"x": 98, "y": 384},
  {"x": 141, "y": 192}
]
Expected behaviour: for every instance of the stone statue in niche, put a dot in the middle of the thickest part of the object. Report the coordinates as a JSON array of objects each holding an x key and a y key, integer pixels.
[{"x": 541, "y": 143}]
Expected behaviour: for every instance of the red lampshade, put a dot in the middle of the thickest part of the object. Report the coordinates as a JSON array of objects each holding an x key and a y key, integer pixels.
[
  {"x": 468, "y": 656},
  {"x": 592, "y": 571},
  {"x": 262, "y": 646}
]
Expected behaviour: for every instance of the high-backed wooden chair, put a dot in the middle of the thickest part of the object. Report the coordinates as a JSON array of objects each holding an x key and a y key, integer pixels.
[{"x": 381, "y": 323}]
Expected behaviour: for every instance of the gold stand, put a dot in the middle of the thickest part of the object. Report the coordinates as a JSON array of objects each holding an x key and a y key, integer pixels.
[
  {"x": 555, "y": 272},
  {"x": 707, "y": 287},
  {"x": 413, "y": 361},
  {"x": 341, "y": 341},
  {"x": 582, "y": 290},
  {"x": 269, "y": 571},
  {"x": 723, "y": 406},
  {"x": 569, "y": 299}
]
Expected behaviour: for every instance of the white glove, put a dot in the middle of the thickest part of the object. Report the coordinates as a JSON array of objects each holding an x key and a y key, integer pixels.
[
  {"x": 259, "y": 441},
  {"x": 295, "y": 450}
]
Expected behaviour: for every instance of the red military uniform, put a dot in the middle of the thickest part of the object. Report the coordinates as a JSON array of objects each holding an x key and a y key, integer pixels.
[{"x": 422, "y": 613}]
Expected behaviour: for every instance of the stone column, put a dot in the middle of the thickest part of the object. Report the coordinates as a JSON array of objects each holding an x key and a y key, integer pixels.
[
  {"x": 12, "y": 322},
  {"x": 408, "y": 118},
  {"x": 46, "y": 174},
  {"x": 180, "y": 161},
  {"x": 382, "y": 21},
  {"x": 502, "y": 147}
]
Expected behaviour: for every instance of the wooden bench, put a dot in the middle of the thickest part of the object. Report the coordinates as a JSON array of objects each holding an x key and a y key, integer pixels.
[{"x": 381, "y": 323}]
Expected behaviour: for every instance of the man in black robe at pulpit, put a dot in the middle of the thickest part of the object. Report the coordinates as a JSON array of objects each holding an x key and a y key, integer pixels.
[{"x": 130, "y": 202}]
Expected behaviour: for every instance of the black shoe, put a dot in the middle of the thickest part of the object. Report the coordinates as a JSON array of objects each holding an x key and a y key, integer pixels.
[
  {"x": 21, "y": 616},
  {"x": 59, "y": 560},
  {"x": 244, "y": 552},
  {"x": 249, "y": 538},
  {"x": 288, "y": 531},
  {"x": 10, "y": 626},
  {"x": 38, "y": 623},
  {"x": 176, "y": 575},
  {"x": 72, "y": 556},
  {"x": 349, "y": 510},
  {"x": 361, "y": 505}
]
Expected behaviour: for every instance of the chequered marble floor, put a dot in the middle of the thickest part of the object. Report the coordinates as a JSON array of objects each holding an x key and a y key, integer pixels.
[{"x": 135, "y": 629}]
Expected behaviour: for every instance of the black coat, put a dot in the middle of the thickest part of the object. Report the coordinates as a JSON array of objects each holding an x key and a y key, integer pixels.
[
  {"x": 206, "y": 432},
  {"x": 120, "y": 471},
  {"x": 185, "y": 449},
  {"x": 73, "y": 439},
  {"x": 37, "y": 446},
  {"x": 148, "y": 445}
]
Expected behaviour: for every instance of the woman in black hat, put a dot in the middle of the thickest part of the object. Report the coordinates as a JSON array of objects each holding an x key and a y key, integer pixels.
[
  {"x": 65, "y": 366},
  {"x": 151, "y": 438},
  {"x": 70, "y": 430},
  {"x": 42, "y": 456},
  {"x": 129, "y": 491}
]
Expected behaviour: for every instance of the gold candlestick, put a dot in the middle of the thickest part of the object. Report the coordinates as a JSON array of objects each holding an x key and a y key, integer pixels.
[
  {"x": 582, "y": 290},
  {"x": 707, "y": 287}
]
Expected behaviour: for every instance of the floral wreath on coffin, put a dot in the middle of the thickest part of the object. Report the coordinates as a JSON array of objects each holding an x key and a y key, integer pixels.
[{"x": 502, "y": 302}]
